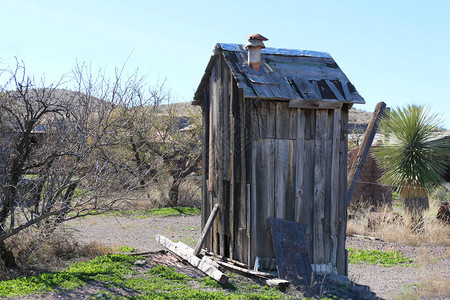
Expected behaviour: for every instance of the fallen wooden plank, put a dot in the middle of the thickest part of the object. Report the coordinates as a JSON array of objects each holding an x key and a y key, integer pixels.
[
  {"x": 186, "y": 253},
  {"x": 372, "y": 238},
  {"x": 187, "y": 249},
  {"x": 244, "y": 271},
  {"x": 356, "y": 168},
  {"x": 205, "y": 230},
  {"x": 225, "y": 259},
  {"x": 278, "y": 283}
]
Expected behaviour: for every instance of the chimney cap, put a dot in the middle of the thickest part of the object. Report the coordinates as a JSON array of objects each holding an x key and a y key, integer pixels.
[
  {"x": 258, "y": 37},
  {"x": 255, "y": 40}
]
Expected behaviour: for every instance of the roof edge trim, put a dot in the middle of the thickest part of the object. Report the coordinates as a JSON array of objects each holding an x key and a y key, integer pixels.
[{"x": 276, "y": 51}]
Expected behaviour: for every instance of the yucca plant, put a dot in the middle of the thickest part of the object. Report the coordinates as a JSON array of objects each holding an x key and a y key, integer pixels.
[{"x": 412, "y": 161}]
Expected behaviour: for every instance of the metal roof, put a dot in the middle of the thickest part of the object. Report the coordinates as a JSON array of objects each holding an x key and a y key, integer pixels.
[{"x": 285, "y": 74}]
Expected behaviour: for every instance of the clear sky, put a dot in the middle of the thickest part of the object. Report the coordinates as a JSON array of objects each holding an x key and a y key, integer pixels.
[{"x": 392, "y": 51}]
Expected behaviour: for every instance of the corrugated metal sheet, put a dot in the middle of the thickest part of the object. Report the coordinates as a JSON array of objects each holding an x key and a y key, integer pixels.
[{"x": 285, "y": 74}]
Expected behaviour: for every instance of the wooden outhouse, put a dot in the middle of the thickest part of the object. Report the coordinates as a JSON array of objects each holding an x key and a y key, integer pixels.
[{"x": 275, "y": 145}]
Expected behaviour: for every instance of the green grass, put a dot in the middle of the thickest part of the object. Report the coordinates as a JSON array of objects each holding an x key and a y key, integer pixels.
[
  {"x": 187, "y": 240},
  {"x": 374, "y": 257},
  {"x": 160, "y": 282},
  {"x": 102, "y": 268},
  {"x": 159, "y": 212},
  {"x": 174, "y": 211},
  {"x": 126, "y": 248}
]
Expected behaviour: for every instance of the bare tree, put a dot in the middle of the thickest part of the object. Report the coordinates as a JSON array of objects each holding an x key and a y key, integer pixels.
[
  {"x": 179, "y": 146},
  {"x": 56, "y": 161}
]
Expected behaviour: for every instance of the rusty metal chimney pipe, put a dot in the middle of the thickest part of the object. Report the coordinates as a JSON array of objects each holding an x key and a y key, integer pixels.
[{"x": 254, "y": 46}]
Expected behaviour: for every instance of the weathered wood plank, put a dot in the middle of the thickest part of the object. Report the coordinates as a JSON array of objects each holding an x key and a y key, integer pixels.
[
  {"x": 347, "y": 94},
  {"x": 226, "y": 128},
  {"x": 328, "y": 154},
  {"x": 226, "y": 217},
  {"x": 307, "y": 205},
  {"x": 363, "y": 151},
  {"x": 283, "y": 121},
  {"x": 335, "y": 184},
  {"x": 206, "y": 229},
  {"x": 253, "y": 209},
  {"x": 246, "y": 164},
  {"x": 316, "y": 87},
  {"x": 202, "y": 264},
  {"x": 312, "y": 104},
  {"x": 270, "y": 114},
  {"x": 263, "y": 205},
  {"x": 244, "y": 271},
  {"x": 319, "y": 186},
  {"x": 300, "y": 161},
  {"x": 290, "y": 195},
  {"x": 218, "y": 85},
  {"x": 206, "y": 208},
  {"x": 248, "y": 201},
  {"x": 268, "y": 195},
  {"x": 341, "y": 262},
  {"x": 263, "y": 119},
  {"x": 233, "y": 210},
  {"x": 288, "y": 239},
  {"x": 215, "y": 257},
  {"x": 335, "y": 91},
  {"x": 281, "y": 284},
  {"x": 212, "y": 119},
  {"x": 306, "y": 89},
  {"x": 282, "y": 176},
  {"x": 323, "y": 269},
  {"x": 257, "y": 117}
]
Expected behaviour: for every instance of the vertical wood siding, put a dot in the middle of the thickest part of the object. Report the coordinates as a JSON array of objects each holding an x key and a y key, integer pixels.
[{"x": 263, "y": 159}]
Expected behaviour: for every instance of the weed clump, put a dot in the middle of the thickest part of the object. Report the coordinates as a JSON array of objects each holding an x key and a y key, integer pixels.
[
  {"x": 373, "y": 257},
  {"x": 168, "y": 273}
]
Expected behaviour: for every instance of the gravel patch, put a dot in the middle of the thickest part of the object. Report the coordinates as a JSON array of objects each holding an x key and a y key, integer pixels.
[{"x": 136, "y": 232}]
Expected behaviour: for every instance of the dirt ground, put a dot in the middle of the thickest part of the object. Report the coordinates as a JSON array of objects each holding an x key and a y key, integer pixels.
[{"x": 387, "y": 283}]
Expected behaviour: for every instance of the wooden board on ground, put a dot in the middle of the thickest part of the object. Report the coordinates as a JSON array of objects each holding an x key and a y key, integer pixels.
[
  {"x": 205, "y": 264},
  {"x": 291, "y": 251}
]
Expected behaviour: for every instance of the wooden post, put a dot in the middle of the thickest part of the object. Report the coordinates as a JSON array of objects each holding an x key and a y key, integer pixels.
[
  {"x": 205, "y": 230},
  {"x": 357, "y": 166}
]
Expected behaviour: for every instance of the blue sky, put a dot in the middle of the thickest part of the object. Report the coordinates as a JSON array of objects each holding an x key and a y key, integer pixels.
[{"x": 392, "y": 51}]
